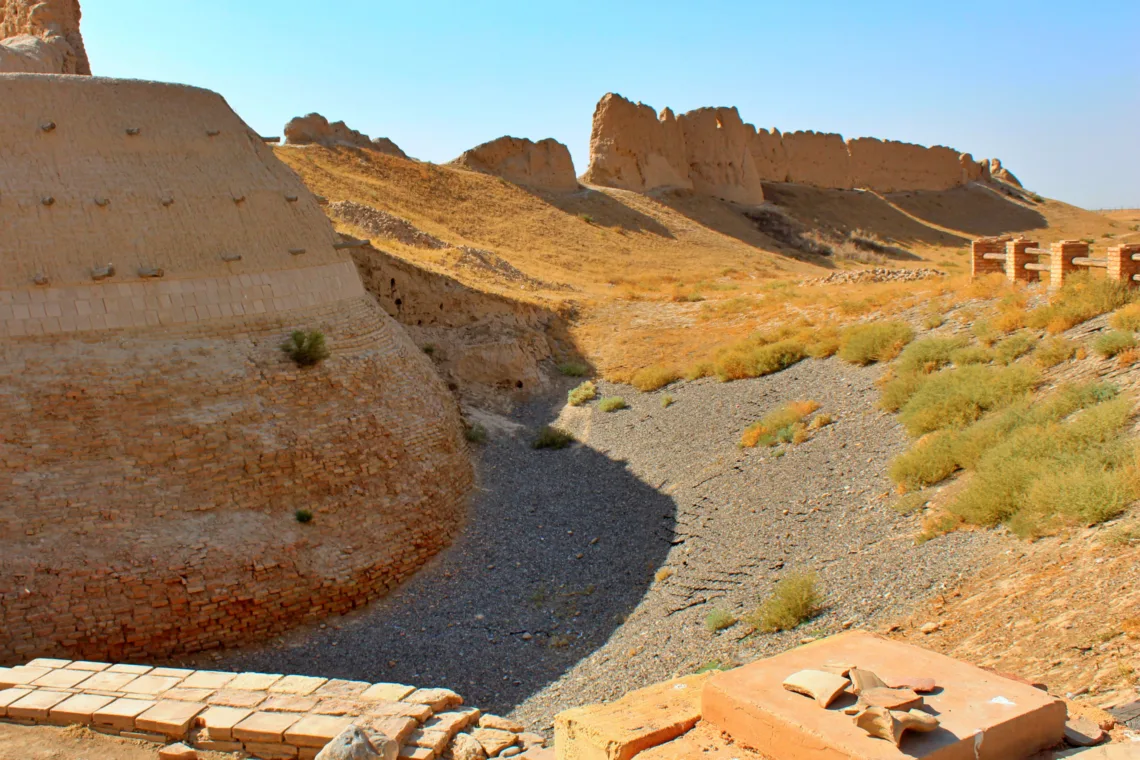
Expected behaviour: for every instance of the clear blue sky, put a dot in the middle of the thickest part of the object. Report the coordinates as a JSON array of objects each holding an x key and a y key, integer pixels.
[{"x": 1050, "y": 87}]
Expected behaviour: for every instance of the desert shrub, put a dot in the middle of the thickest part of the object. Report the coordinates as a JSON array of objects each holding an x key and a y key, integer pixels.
[
  {"x": 1052, "y": 351},
  {"x": 1076, "y": 470},
  {"x": 909, "y": 503},
  {"x": 740, "y": 363},
  {"x": 799, "y": 433},
  {"x": 795, "y": 599},
  {"x": 306, "y": 348},
  {"x": 652, "y": 378},
  {"x": 429, "y": 349},
  {"x": 585, "y": 392},
  {"x": 1128, "y": 357},
  {"x": 929, "y": 461},
  {"x": 819, "y": 421},
  {"x": 700, "y": 369},
  {"x": 303, "y": 516},
  {"x": 1008, "y": 320},
  {"x": 718, "y": 620},
  {"x": 475, "y": 433},
  {"x": 984, "y": 331},
  {"x": 956, "y": 397},
  {"x": 663, "y": 574},
  {"x": 822, "y": 347},
  {"x": 1015, "y": 346},
  {"x": 777, "y": 425},
  {"x": 666, "y": 402},
  {"x": 1126, "y": 318},
  {"x": 552, "y": 438},
  {"x": 898, "y": 389},
  {"x": 573, "y": 368},
  {"x": 971, "y": 355},
  {"x": 1112, "y": 343},
  {"x": 1080, "y": 299},
  {"x": 928, "y": 354},
  {"x": 933, "y": 320},
  {"x": 874, "y": 342},
  {"x": 612, "y": 404},
  {"x": 586, "y": 218}
]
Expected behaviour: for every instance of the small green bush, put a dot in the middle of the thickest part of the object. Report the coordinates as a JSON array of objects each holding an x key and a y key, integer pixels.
[
  {"x": 666, "y": 402},
  {"x": 1015, "y": 346},
  {"x": 985, "y": 332},
  {"x": 971, "y": 355},
  {"x": 956, "y": 397},
  {"x": 306, "y": 348},
  {"x": 1112, "y": 343},
  {"x": 778, "y": 425},
  {"x": 585, "y": 392},
  {"x": 552, "y": 438},
  {"x": 933, "y": 321},
  {"x": 1127, "y": 318},
  {"x": 303, "y": 516},
  {"x": 874, "y": 342},
  {"x": 756, "y": 361},
  {"x": 928, "y": 354},
  {"x": 898, "y": 390},
  {"x": 586, "y": 218},
  {"x": 652, "y": 378},
  {"x": 573, "y": 369},
  {"x": 910, "y": 503},
  {"x": 1080, "y": 299},
  {"x": 718, "y": 620},
  {"x": 612, "y": 404},
  {"x": 795, "y": 599},
  {"x": 429, "y": 349},
  {"x": 475, "y": 433},
  {"x": 1052, "y": 351}
]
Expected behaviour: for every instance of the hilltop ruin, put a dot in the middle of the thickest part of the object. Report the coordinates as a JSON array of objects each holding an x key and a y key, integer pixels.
[
  {"x": 42, "y": 37},
  {"x": 713, "y": 152},
  {"x": 545, "y": 164},
  {"x": 315, "y": 129}
]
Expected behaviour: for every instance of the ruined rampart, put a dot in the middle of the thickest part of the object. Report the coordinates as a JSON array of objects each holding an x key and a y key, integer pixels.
[
  {"x": 158, "y": 446},
  {"x": 545, "y": 164},
  {"x": 41, "y": 37},
  {"x": 712, "y": 151},
  {"x": 315, "y": 129}
]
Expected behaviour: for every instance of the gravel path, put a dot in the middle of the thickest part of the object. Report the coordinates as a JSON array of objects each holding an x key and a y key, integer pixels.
[{"x": 549, "y": 599}]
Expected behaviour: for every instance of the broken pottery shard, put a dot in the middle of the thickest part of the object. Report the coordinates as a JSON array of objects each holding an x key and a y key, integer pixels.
[
  {"x": 838, "y": 668},
  {"x": 1082, "y": 732},
  {"x": 824, "y": 687},
  {"x": 921, "y": 685},
  {"x": 864, "y": 679},
  {"x": 892, "y": 699},
  {"x": 891, "y": 724}
]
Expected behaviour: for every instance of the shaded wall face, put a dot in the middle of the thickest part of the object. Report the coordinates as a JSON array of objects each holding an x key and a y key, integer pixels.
[{"x": 718, "y": 147}]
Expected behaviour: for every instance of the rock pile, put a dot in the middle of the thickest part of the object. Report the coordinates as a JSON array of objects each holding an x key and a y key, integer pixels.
[
  {"x": 712, "y": 151},
  {"x": 382, "y": 224},
  {"x": 316, "y": 129},
  {"x": 874, "y": 275},
  {"x": 41, "y": 37},
  {"x": 545, "y": 164}
]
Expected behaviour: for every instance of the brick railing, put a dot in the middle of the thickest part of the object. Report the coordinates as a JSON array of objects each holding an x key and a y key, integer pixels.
[{"x": 1024, "y": 260}]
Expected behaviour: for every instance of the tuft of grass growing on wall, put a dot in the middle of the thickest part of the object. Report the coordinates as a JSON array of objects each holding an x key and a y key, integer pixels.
[
  {"x": 612, "y": 404},
  {"x": 552, "y": 438},
  {"x": 795, "y": 599},
  {"x": 303, "y": 516},
  {"x": 652, "y": 378},
  {"x": 306, "y": 349},
  {"x": 1080, "y": 299},
  {"x": 718, "y": 620},
  {"x": 874, "y": 342},
  {"x": 1110, "y": 344},
  {"x": 475, "y": 433},
  {"x": 778, "y": 425},
  {"x": 584, "y": 393}
]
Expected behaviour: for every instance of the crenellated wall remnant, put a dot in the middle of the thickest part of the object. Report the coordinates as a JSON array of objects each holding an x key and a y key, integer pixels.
[
  {"x": 316, "y": 129},
  {"x": 713, "y": 152},
  {"x": 545, "y": 164},
  {"x": 41, "y": 37}
]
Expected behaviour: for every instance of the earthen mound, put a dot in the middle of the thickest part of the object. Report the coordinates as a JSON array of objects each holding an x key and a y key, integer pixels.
[
  {"x": 193, "y": 487},
  {"x": 315, "y": 129},
  {"x": 545, "y": 164},
  {"x": 41, "y": 37}
]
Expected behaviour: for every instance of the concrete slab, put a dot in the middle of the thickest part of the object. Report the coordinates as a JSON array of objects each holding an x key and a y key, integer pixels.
[{"x": 983, "y": 716}]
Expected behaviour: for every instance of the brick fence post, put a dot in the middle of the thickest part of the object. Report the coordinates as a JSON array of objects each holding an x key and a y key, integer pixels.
[
  {"x": 1016, "y": 258},
  {"x": 1121, "y": 267},
  {"x": 1061, "y": 264},
  {"x": 979, "y": 265}
]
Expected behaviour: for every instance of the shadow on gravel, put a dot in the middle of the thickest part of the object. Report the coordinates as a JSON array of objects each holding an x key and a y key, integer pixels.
[{"x": 559, "y": 547}]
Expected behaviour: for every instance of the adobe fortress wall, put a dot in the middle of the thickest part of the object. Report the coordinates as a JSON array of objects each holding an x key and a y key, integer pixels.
[
  {"x": 157, "y": 442},
  {"x": 712, "y": 151}
]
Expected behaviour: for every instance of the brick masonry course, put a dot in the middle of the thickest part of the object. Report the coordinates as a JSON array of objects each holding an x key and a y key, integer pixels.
[{"x": 256, "y": 731}]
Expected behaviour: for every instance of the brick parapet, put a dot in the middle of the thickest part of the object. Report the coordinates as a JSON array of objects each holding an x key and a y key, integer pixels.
[
  {"x": 1061, "y": 264},
  {"x": 1016, "y": 258},
  {"x": 979, "y": 265},
  {"x": 1119, "y": 263}
]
